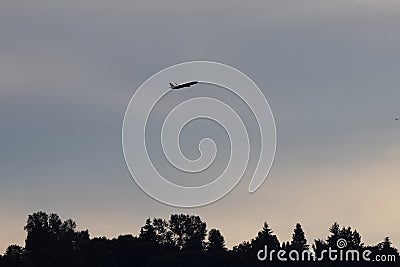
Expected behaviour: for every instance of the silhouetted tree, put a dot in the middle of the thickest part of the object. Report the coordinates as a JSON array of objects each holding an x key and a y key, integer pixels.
[
  {"x": 243, "y": 248},
  {"x": 187, "y": 231},
  {"x": 177, "y": 242},
  {"x": 14, "y": 255},
  {"x": 353, "y": 238},
  {"x": 287, "y": 246},
  {"x": 385, "y": 247},
  {"x": 299, "y": 241},
  {"x": 55, "y": 224},
  {"x": 319, "y": 246},
  {"x": 163, "y": 233},
  {"x": 38, "y": 242},
  {"x": 243, "y": 254},
  {"x": 38, "y": 234},
  {"x": 49, "y": 240},
  {"x": 356, "y": 240},
  {"x": 148, "y": 232},
  {"x": 266, "y": 237},
  {"x": 335, "y": 235},
  {"x": 216, "y": 241}
]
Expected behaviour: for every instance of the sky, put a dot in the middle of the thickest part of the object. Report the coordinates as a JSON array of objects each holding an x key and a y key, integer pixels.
[{"x": 329, "y": 70}]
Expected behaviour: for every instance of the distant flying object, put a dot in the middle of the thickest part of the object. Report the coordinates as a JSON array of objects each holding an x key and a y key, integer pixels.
[
  {"x": 397, "y": 119},
  {"x": 182, "y": 85}
]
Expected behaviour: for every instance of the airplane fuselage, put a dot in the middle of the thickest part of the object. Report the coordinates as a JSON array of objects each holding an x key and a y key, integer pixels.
[{"x": 182, "y": 85}]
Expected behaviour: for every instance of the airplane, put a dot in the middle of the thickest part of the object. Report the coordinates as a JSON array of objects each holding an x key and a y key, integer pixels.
[
  {"x": 182, "y": 85},
  {"x": 397, "y": 119}
]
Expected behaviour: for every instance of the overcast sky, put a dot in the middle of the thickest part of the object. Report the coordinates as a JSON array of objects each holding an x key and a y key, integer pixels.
[{"x": 330, "y": 71}]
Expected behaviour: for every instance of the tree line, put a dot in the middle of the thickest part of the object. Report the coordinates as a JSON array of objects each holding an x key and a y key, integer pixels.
[{"x": 183, "y": 240}]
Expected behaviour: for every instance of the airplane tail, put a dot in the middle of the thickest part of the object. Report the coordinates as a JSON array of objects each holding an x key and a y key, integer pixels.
[{"x": 171, "y": 86}]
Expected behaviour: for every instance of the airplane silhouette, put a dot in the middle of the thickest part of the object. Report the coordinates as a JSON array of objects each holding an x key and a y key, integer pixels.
[
  {"x": 182, "y": 85},
  {"x": 397, "y": 119}
]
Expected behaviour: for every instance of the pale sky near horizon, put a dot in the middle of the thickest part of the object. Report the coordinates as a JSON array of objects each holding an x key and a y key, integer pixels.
[{"x": 330, "y": 71}]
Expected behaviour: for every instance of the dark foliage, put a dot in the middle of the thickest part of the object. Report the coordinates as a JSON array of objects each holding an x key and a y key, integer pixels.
[{"x": 180, "y": 241}]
